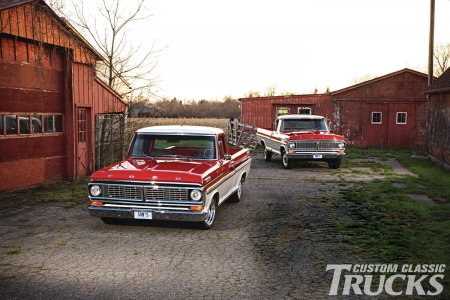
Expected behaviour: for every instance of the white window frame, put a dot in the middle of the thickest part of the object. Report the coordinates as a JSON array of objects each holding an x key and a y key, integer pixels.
[
  {"x": 381, "y": 117},
  {"x": 308, "y": 108},
  {"x": 396, "y": 118}
]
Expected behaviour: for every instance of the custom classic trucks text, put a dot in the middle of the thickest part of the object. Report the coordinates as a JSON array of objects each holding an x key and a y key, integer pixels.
[
  {"x": 179, "y": 173},
  {"x": 302, "y": 137}
]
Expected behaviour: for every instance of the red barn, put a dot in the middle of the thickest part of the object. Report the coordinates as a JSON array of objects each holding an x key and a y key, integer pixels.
[
  {"x": 49, "y": 96},
  {"x": 438, "y": 129},
  {"x": 385, "y": 111}
]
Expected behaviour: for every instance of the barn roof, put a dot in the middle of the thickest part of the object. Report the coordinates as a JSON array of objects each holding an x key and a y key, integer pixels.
[
  {"x": 441, "y": 84},
  {"x": 378, "y": 79},
  {"x": 5, "y": 4}
]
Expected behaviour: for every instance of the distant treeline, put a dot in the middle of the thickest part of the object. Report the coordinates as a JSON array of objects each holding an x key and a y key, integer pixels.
[{"x": 165, "y": 108}]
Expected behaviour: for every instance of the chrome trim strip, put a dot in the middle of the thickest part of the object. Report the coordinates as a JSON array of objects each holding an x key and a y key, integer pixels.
[
  {"x": 144, "y": 207},
  {"x": 217, "y": 184}
]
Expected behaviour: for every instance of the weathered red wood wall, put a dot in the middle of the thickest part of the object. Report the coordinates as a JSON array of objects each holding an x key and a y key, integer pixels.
[
  {"x": 438, "y": 142},
  {"x": 350, "y": 110},
  {"x": 401, "y": 91},
  {"x": 438, "y": 118},
  {"x": 262, "y": 111},
  {"x": 45, "y": 68}
]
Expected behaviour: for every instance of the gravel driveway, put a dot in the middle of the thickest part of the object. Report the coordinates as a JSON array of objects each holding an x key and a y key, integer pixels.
[{"x": 274, "y": 244}]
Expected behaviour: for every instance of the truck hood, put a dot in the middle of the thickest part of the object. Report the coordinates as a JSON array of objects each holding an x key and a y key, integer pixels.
[
  {"x": 313, "y": 135},
  {"x": 161, "y": 170}
]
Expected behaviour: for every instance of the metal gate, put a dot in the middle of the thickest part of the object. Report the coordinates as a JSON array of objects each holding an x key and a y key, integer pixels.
[{"x": 109, "y": 139}]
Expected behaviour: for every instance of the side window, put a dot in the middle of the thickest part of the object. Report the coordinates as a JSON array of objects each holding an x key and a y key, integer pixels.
[
  {"x": 304, "y": 110},
  {"x": 376, "y": 117},
  {"x": 282, "y": 111}
]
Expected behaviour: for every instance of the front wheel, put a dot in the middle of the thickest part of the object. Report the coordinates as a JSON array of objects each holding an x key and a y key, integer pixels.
[
  {"x": 334, "y": 164},
  {"x": 285, "y": 160},
  {"x": 236, "y": 197},
  {"x": 210, "y": 216},
  {"x": 267, "y": 154}
]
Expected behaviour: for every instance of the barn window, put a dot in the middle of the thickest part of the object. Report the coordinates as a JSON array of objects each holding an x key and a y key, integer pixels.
[
  {"x": 282, "y": 111},
  {"x": 53, "y": 123},
  {"x": 376, "y": 117},
  {"x": 26, "y": 124},
  {"x": 401, "y": 118},
  {"x": 304, "y": 110}
]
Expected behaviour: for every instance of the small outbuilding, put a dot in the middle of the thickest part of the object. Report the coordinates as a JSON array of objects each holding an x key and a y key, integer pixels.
[
  {"x": 388, "y": 111},
  {"x": 438, "y": 129},
  {"x": 49, "y": 97}
]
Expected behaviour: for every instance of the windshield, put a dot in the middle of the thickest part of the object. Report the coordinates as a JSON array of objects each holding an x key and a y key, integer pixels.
[
  {"x": 304, "y": 124},
  {"x": 185, "y": 146}
]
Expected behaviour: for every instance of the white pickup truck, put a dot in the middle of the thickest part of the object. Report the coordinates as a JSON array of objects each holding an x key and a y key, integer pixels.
[{"x": 302, "y": 137}]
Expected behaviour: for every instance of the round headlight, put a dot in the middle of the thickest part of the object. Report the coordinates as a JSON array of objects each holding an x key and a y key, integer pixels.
[
  {"x": 95, "y": 190},
  {"x": 292, "y": 145},
  {"x": 196, "y": 195},
  {"x": 342, "y": 145}
]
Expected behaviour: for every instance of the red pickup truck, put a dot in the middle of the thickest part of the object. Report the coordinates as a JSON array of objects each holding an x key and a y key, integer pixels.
[
  {"x": 302, "y": 137},
  {"x": 179, "y": 173}
]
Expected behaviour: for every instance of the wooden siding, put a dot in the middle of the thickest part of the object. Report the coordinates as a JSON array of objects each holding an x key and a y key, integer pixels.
[
  {"x": 46, "y": 68},
  {"x": 36, "y": 22},
  {"x": 261, "y": 111},
  {"x": 438, "y": 132},
  {"x": 350, "y": 110}
]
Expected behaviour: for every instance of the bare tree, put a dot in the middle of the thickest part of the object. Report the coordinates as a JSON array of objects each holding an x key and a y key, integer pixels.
[
  {"x": 441, "y": 58},
  {"x": 251, "y": 94},
  {"x": 271, "y": 90},
  {"x": 108, "y": 31},
  {"x": 364, "y": 78},
  {"x": 56, "y": 5}
]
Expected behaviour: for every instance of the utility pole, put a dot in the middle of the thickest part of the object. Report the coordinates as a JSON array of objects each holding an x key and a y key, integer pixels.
[{"x": 431, "y": 44}]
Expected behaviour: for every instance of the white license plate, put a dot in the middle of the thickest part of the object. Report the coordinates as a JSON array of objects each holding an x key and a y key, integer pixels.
[
  {"x": 145, "y": 214},
  {"x": 317, "y": 155}
]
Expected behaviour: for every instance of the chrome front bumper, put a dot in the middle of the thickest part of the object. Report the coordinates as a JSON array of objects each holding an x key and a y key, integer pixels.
[
  {"x": 313, "y": 155},
  {"x": 157, "y": 214}
]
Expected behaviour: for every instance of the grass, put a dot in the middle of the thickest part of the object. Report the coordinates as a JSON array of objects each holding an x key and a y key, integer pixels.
[
  {"x": 391, "y": 227},
  {"x": 71, "y": 193}
]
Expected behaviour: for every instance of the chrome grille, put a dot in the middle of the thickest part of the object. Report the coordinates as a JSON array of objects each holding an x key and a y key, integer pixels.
[
  {"x": 328, "y": 145},
  {"x": 317, "y": 145},
  {"x": 124, "y": 192},
  {"x": 306, "y": 145},
  {"x": 166, "y": 194}
]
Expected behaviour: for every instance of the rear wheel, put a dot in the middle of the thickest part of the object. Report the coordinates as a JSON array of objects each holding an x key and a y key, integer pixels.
[
  {"x": 285, "y": 160},
  {"x": 210, "y": 216},
  {"x": 334, "y": 164}
]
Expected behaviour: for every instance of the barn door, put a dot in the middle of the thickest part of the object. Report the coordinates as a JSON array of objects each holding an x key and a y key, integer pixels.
[{"x": 83, "y": 126}]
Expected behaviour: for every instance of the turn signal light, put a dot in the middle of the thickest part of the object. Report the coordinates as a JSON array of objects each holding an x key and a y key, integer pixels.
[
  {"x": 97, "y": 203},
  {"x": 197, "y": 207}
]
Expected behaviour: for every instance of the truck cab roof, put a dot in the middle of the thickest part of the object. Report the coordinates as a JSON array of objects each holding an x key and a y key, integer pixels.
[
  {"x": 312, "y": 117},
  {"x": 180, "y": 129}
]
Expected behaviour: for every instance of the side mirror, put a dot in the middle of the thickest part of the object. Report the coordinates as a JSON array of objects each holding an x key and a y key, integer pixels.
[{"x": 227, "y": 157}]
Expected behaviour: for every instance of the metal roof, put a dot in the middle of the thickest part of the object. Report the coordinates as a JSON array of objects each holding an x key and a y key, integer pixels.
[
  {"x": 441, "y": 84},
  {"x": 5, "y": 4}
]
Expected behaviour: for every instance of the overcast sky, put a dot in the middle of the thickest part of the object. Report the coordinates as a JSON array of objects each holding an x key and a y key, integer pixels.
[{"x": 217, "y": 48}]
